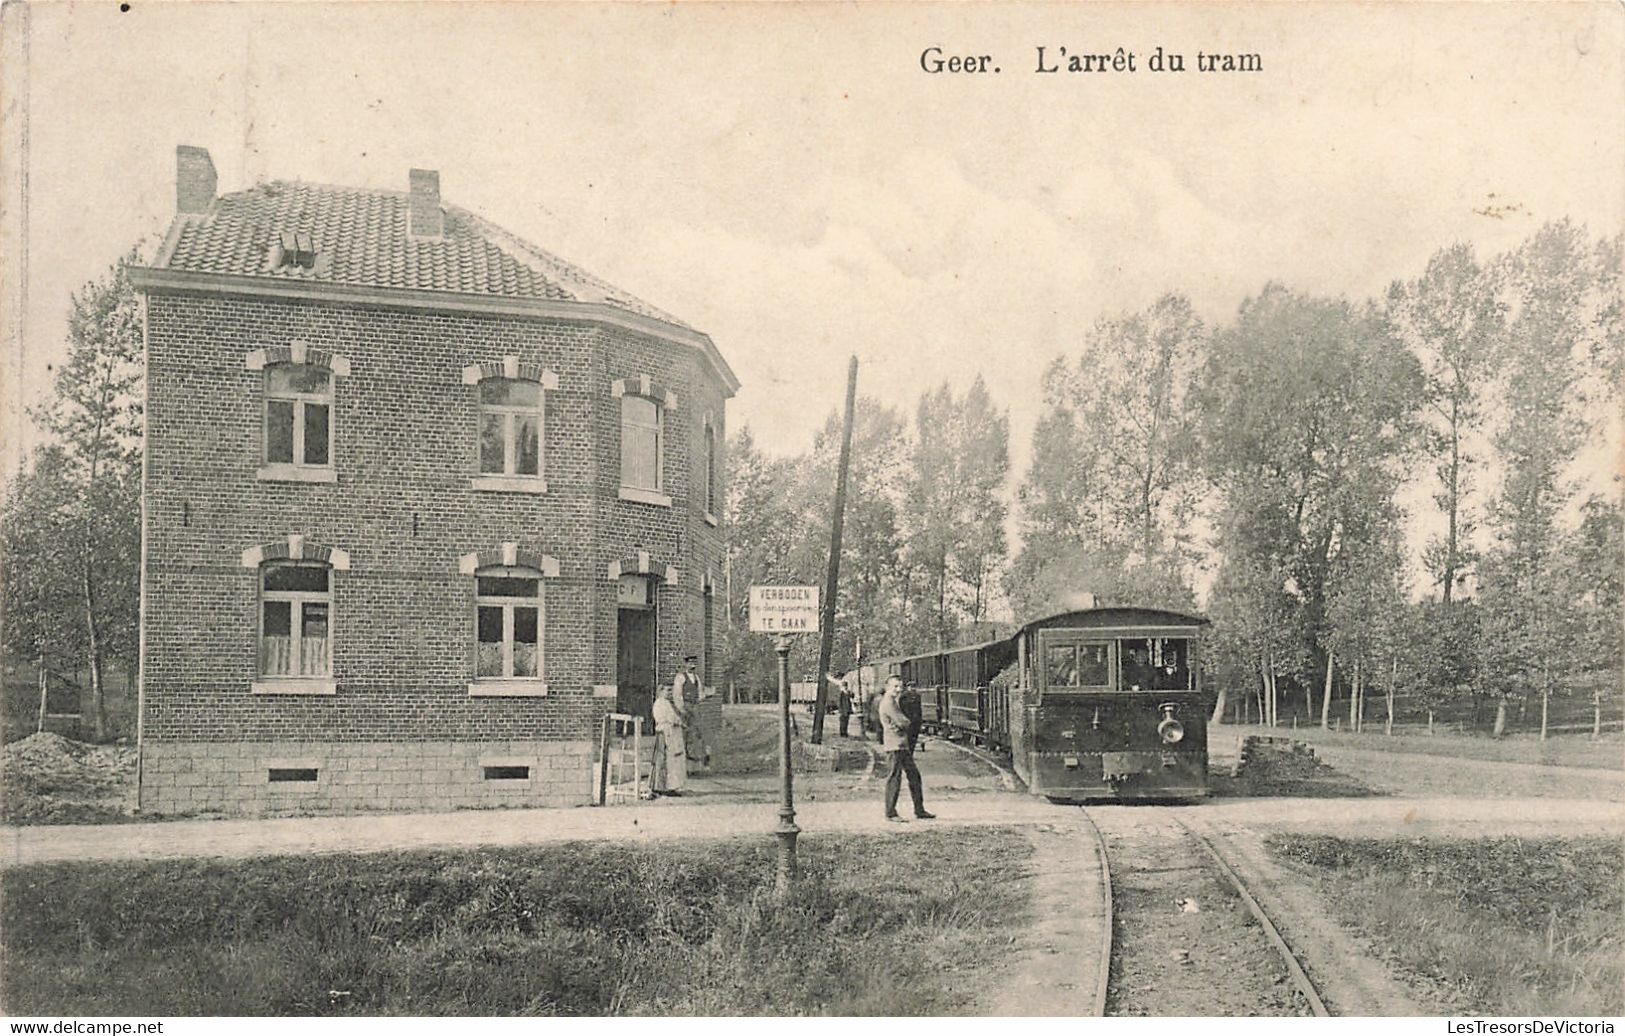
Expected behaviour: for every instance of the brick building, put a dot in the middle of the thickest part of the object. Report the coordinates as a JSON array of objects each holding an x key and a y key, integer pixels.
[{"x": 422, "y": 503}]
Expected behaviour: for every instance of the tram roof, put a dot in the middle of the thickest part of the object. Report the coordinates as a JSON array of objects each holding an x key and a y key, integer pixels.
[{"x": 1098, "y": 618}]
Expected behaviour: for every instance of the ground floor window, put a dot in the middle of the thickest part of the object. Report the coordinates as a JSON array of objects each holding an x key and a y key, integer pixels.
[
  {"x": 296, "y": 605},
  {"x": 508, "y": 604}
]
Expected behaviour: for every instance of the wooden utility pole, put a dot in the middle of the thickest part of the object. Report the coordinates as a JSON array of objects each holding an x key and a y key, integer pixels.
[{"x": 826, "y": 639}]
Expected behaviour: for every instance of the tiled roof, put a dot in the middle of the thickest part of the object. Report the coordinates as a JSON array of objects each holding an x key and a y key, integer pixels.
[{"x": 361, "y": 238}]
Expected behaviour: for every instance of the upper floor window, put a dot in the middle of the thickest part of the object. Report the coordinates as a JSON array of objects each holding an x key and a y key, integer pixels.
[
  {"x": 508, "y": 603},
  {"x": 712, "y": 467},
  {"x": 641, "y": 422},
  {"x": 296, "y": 605},
  {"x": 510, "y": 427},
  {"x": 298, "y": 415}
]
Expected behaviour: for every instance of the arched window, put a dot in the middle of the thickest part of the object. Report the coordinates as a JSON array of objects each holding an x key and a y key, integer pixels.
[
  {"x": 296, "y": 606},
  {"x": 298, "y": 416},
  {"x": 508, "y": 623},
  {"x": 641, "y": 421},
  {"x": 510, "y": 427}
]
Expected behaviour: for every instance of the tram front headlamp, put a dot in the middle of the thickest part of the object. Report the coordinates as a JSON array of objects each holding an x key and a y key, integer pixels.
[{"x": 1170, "y": 729}]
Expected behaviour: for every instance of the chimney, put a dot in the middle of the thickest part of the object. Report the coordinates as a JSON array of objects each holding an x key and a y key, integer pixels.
[
  {"x": 425, "y": 216},
  {"x": 195, "y": 179}
]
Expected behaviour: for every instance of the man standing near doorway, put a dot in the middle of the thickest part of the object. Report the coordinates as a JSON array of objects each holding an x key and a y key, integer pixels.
[
  {"x": 670, "y": 772},
  {"x": 685, "y": 687},
  {"x": 894, "y": 723}
]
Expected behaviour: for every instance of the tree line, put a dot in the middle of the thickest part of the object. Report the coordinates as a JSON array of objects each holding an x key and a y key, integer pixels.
[
  {"x": 1272, "y": 460},
  {"x": 1275, "y": 459}
]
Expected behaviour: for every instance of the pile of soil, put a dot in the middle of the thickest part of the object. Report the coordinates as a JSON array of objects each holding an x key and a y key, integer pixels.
[
  {"x": 1277, "y": 766},
  {"x": 49, "y": 778}
]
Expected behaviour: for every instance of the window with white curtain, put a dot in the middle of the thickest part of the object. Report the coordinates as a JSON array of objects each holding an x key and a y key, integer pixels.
[
  {"x": 508, "y": 623},
  {"x": 296, "y": 610}
]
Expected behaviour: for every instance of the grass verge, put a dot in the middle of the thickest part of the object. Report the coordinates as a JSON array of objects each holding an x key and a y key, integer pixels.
[
  {"x": 1500, "y": 926},
  {"x": 876, "y": 926}
]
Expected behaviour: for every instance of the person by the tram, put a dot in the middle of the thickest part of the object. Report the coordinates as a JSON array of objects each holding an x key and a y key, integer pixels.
[
  {"x": 896, "y": 723},
  {"x": 910, "y": 700},
  {"x": 1137, "y": 671}
]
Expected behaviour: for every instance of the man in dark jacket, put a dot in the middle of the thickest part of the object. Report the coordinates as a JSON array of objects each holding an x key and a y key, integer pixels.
[
  {"x": 910, "y": 701},
  {"x": 896, "y": 725}
]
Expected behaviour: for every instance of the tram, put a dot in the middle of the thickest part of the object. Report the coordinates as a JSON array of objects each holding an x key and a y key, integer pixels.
[{"x": 1089, "y": 704}]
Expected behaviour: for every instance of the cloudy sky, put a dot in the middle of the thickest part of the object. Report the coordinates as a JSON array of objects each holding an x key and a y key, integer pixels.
[{"x": 787, "y": 177}]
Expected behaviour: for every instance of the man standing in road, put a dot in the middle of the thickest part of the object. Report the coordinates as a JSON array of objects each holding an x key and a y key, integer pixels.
[{"x": 894, "y": 723}]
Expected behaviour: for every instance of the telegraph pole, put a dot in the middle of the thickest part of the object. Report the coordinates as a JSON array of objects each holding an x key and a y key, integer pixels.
[{"x": 826, "y": 641}]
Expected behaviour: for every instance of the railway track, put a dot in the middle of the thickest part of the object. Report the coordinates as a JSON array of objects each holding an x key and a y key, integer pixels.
[
  {"x": 1103, "y": 958},
  {"x": 1207, "y": 844},
  {"x": 1155, "y": 865},
  {"x": 1294, "y": 967}
]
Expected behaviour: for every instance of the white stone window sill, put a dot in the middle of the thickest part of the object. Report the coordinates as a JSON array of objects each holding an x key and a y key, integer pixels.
[
  {"x": 295, "y": 473},
  {"x": 710, "y": 519},
  {"x": 645, "y": 496},
  {"x": 518, "y": 688},
  {"x": 508, "y": 484},
  {"x": 295, "y": 685}
]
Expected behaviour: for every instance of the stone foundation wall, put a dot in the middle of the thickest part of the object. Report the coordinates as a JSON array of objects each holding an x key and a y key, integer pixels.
[{"x": 236, "y": 777}]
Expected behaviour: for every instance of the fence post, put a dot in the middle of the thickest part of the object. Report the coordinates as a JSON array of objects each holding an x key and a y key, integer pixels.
[
  {"x": 603, "y": 762},
  {"x": 40, "y": 725}
]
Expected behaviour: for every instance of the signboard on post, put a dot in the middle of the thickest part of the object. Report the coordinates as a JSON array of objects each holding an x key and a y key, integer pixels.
[{"x": 784, "y": 609}]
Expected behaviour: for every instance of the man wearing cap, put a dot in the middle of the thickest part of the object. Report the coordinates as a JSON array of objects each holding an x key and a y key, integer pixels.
[
  {"x": 685, "y": 687},
  {"x": 894, "y": 723}
]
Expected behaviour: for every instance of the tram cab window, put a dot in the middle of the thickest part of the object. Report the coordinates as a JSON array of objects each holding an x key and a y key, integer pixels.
[
  {"x": 1077, "y": 666},
  {"x": 1154, "y": 664}
]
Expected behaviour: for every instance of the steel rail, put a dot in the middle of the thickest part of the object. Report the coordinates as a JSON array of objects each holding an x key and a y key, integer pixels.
[
  {"x": 1109, "y": 921},
  {"x": 1300, "y": 978}
]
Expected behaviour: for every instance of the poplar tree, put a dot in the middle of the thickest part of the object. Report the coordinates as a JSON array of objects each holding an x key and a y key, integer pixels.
[
  {"x": 1108, "y": 501},
  {"x": 94, "y": 419},
  {"x": 1453, "y": 322},
  {"x": 1563, "y": 343}
]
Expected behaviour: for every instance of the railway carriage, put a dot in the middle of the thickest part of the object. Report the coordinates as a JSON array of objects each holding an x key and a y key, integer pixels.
[{"x": 1097, "y": 703}]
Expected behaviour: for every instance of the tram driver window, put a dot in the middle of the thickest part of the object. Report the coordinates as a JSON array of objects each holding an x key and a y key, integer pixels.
[{"x": 1155, "y": 664}]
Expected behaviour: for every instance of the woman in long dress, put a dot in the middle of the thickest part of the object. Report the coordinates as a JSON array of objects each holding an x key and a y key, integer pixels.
[{"x": 671, "y": 749}]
